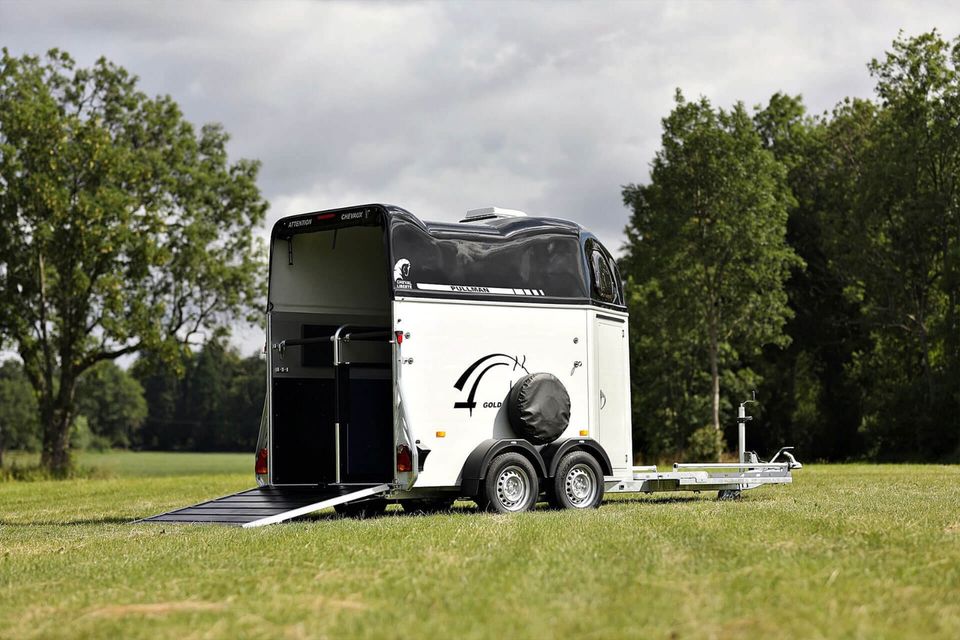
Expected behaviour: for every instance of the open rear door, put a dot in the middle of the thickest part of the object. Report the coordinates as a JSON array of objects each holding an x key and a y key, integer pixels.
[{"x": 267, "y": 505}]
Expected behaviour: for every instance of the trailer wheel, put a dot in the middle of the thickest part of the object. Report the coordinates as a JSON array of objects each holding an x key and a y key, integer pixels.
[
  {"x": 578, "y": 483},
  {"x": 365, "y": 509},
  {"x": 728, "y": 494},
  {"x": 511, "y": 485}
]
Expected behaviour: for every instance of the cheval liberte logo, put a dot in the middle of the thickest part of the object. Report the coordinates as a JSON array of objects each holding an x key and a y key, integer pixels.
[
  {"x": 476, "y": 371},
  {"x": 401, "y": 274}
]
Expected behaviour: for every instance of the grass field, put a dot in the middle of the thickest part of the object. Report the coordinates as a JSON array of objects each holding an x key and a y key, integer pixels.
[
  {"x": 847, "y": 551},
  {"x": 148, "y": 463}
]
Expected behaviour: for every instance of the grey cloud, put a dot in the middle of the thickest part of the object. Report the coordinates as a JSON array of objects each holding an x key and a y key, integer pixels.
[{"x": 442, "y": 107}]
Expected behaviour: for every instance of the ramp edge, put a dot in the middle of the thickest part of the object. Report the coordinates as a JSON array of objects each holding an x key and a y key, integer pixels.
[{"x": 317, "y": 506}]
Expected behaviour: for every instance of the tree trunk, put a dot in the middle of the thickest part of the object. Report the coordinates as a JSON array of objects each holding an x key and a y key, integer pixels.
[
  {"x": 56, "y": 444},
  {"x": 57, "y": 413},
  {"x": 714, "y": 375},
  {"x": 927, "y": 371}
]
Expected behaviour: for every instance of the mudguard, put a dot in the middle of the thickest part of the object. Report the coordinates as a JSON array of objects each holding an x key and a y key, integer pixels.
[
  {"x": 475, "y": 468},
  {"x": 552, "y": 454}
]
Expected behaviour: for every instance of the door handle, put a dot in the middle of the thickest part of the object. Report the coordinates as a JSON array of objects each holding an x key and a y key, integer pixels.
[
  {"x": 576, "y": 363},
  {"x": 603, "y": 399}
]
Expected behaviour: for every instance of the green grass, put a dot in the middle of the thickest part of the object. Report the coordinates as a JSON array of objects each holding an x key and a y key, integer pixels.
[
  {"x": 847, "y": 551},
  {"x": 148, "y": 463}
]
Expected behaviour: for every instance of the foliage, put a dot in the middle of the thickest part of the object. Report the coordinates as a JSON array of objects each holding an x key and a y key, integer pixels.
[
  {"x": 18, "y": 409},
  {"x": 705, "y": 262},
  {"x": 122, "y": 228},
  {"x": 111, "y": 401},
  {"x": 871, "y": 359},
  {"x": 704, "y": 445},
  {"x": 808, "y": 397},
  {"x": 908, "y": 272},
  {"x": 214, "y": 406}
]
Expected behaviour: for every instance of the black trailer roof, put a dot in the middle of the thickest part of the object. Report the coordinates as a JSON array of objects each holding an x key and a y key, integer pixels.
[{"x": 541, "y": 259}]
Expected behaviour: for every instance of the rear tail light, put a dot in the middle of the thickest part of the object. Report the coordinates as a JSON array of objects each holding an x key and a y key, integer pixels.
[
  {"x": 261, "y": 467},
  {"x": 404, "y": 459}
]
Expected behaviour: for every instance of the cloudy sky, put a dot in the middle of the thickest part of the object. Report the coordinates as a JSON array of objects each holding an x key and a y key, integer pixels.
[{"x": 442, "y": 107}]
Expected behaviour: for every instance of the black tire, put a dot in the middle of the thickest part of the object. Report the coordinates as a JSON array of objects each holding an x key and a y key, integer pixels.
[
  {"x": 511, "y": 485},
  {"x": 578, "y": 483},
  {"x": 728, "y": 494},
  {"x": 427, "y": 506},
  {"x": 365, "y": 509}
]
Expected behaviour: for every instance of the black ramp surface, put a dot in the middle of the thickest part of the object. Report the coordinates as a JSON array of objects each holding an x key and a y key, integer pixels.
[{"x": 253, "y": 504}]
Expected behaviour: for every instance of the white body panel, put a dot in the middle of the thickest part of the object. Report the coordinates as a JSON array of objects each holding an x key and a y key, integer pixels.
[{"x": 448, "y": 336}]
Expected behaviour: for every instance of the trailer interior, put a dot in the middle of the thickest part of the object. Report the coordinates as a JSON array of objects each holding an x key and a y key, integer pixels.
[{"x": 325, "y": 279}]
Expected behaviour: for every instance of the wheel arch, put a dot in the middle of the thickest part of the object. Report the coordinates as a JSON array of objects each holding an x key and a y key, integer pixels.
[
  {"x": 553, "y": 452},
  {"x": 475, "y": 468}
]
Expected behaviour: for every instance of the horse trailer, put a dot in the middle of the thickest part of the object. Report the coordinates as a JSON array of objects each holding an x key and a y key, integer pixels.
[{"x": 421, "y": 363}]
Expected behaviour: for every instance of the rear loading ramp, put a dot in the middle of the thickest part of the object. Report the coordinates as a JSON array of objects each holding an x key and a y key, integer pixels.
[{"x": 268, "y": 505}]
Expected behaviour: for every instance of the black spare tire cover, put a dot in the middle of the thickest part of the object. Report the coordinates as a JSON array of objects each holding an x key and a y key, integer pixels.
[{"x": 538, "y": 408}]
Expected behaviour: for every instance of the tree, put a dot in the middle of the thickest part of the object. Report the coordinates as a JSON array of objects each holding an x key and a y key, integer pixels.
[
  {"x": 212, "y": 404},
  {"x": 122, "y": 228},
  {"x": 162, "y": 383},
  {"x": 112, "y": 402},
  {"x": 906, "y": 276},
  {"x": 706, "y": 257},
  {"x": 18, "y": 409},
  {"x": 224, "y": 395},
  {"x": 810, "y": 399}
]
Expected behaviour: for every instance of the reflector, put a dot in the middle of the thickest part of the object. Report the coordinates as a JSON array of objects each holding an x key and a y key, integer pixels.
[
  {"x": 261, "y": 467},
  {"x": 404, "y": 459}
]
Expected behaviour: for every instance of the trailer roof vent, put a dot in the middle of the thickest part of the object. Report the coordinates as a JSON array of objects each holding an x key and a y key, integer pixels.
[{"x": 488, "y": 213}]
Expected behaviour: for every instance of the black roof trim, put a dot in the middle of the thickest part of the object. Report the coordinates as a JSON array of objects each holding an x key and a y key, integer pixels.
[{"x": 505, "y": 227}]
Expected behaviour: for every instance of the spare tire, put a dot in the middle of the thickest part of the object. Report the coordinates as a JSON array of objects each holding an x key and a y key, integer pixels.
[{"x": 538, "y": 408}]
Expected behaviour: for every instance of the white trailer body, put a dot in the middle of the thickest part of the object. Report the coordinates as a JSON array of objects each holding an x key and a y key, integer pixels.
[
  {"x": 424, "y": 362},
  {"x": 513, "y": 339}
]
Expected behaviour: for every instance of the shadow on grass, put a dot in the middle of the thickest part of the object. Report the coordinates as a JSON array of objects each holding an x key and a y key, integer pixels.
[
  {"x": 68, "y": 523},
  {"x": 685, "y": 499}
]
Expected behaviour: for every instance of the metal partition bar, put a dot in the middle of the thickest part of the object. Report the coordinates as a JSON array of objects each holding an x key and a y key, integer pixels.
[{"x": 336, "y": 403}]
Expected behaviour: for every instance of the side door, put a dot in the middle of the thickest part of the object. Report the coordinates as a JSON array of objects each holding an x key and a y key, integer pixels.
[{"x": 612, "y": 389}]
